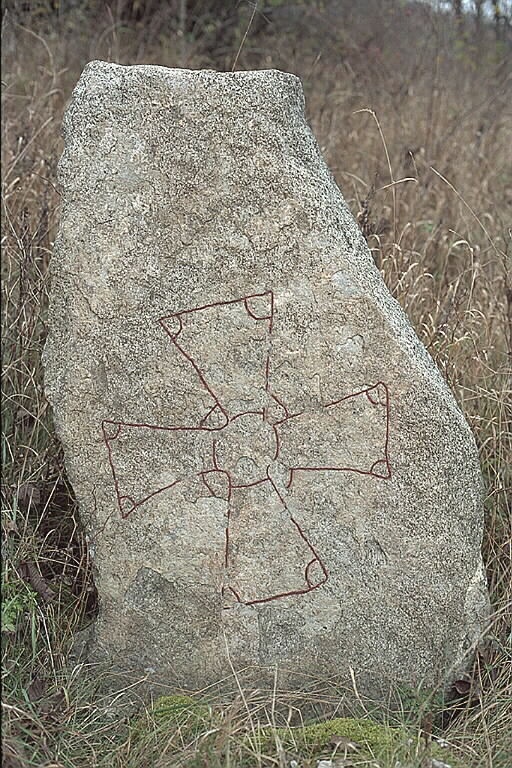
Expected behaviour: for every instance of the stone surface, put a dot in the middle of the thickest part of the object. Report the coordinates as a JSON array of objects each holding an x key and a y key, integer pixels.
[{"x": 266, "y": 459}]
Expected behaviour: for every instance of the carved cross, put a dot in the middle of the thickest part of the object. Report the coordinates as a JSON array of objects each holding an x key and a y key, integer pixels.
[{"x": 247, "y": 449}]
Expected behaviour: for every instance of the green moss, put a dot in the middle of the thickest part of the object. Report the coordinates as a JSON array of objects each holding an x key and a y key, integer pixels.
[
  {"x": 376, "y": 741},
  {"x": 172, "y": 712},
  {"x": 365, "y": 732},
  {"x": 178, "y": 709}
]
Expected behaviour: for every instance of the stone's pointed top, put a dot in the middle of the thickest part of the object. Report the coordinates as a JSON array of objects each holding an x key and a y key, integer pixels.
[
  {"x": 193, "y": 76},
  {"x": 270, "y": 89},
  {"x": 264, "y": 110}
]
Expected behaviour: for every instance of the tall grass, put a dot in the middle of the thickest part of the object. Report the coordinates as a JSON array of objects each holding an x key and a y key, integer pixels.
[{"x": 415, "y": 122}]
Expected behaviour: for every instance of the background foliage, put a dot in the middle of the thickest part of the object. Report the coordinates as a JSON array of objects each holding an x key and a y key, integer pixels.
[{"x": 411, "y": 107}]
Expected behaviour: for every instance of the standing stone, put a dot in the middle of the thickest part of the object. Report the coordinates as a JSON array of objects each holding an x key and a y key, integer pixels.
[{"x": 266, "y": 459}]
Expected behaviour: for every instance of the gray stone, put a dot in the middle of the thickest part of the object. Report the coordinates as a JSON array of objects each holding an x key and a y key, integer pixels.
[{"x": 267, "y": 461}]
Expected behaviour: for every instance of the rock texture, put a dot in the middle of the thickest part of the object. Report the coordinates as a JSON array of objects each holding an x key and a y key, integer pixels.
[{"x": 266, "y": 459}]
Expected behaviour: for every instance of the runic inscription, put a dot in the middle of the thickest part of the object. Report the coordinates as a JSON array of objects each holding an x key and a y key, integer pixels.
[{"x": 252, "y": 449}]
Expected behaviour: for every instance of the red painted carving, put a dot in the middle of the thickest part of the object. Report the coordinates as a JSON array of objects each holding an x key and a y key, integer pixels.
[{"x": 219, "y": 480}]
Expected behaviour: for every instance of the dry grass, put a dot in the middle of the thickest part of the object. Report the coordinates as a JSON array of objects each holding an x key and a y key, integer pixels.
[{"x": 417, "y": 128}]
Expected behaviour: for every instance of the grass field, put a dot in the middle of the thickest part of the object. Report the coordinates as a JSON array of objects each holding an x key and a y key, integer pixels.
[{"x": 413, "y": 116}]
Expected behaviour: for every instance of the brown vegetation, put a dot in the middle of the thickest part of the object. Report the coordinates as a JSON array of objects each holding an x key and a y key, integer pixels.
[{"x": 413, "y": 117}]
